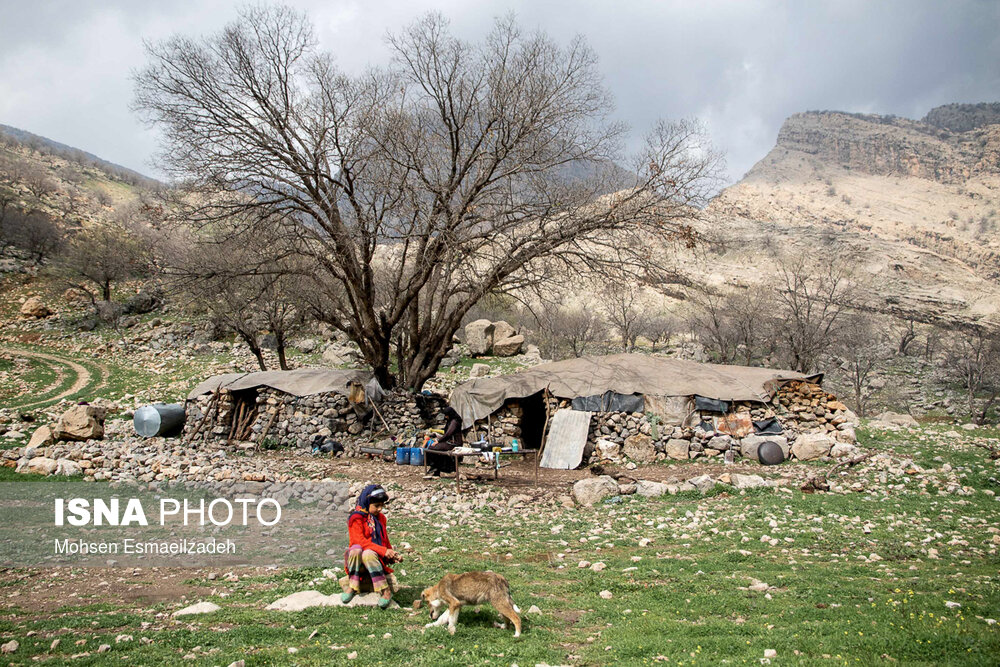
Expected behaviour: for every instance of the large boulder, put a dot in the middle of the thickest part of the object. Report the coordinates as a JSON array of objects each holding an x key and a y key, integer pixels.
[
  {"x": 639, "y": 448},
  {"x": 42, "y": 437},
  {"x": 335, "y": 355},
  {"x": 897, "y": 419},
  {"x": 751, "y": 443},
  {"x": 479, "y": 337},
  {"x": 846, "y": 433},
  {"x": 809, "y": 446},
  {"x": 502, "y": 330},
  {"x": 507, "y": 347},
  {"x": 592, "y": 490},
  {"x": 34, "y": 308},
  {"x": 81, "y": 422},
  {"x": 677, "y": 449}
]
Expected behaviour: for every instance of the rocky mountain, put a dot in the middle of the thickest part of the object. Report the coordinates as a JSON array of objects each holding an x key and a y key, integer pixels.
[{"x": 913, "y": 205}]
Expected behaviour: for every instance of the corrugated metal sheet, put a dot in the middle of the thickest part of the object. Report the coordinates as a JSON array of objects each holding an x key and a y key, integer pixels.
[{"x": 567, "y": 437}]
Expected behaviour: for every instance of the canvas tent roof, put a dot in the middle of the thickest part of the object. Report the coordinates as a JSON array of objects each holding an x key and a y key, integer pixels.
[
  {"x": 300, "y": 382},
  {"x": 622, "y": 374}
]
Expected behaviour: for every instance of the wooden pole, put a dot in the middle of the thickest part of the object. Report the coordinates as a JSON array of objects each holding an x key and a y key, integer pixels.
[
  {"x": 213, "y": 402},
  {"x": 545, "y": 429}
]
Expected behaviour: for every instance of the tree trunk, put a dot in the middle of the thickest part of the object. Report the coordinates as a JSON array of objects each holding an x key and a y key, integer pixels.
[
  {"x": 106, "y": 290},
  {"x": 282, "y": 362}
]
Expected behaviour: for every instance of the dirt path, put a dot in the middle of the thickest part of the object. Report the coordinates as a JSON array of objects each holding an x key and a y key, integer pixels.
[{"x": 83, "y": 376}]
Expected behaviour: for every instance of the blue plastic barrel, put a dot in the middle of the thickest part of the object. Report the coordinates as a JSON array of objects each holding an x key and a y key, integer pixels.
[
  {"x": 402, "y": 456},
  {"x": 416, "y": 456}
]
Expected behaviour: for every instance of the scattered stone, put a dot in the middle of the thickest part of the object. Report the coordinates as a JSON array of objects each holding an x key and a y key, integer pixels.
[
  {"x": 533, "y": 609},
  {"x": 746, "y": 481},
  {"x": 606, "y": 594},
  {"x": 10, "y": 647},
  {"x": 199, "y": 608},
  {"x": 479, "y": 370}
]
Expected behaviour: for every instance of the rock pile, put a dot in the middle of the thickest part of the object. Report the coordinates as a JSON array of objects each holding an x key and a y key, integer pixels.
[{"x": 158, "y": 461}]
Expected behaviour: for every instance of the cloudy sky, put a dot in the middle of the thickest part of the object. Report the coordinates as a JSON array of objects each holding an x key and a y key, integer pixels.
[{"x": 740, "y": 66}]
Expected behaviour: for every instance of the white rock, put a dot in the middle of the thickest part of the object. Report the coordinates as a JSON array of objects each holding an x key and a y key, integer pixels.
[
  {"x": 591, "y": 490},
  {"x": 606, "y": 594},
  {"x": 199, "y": 608}
]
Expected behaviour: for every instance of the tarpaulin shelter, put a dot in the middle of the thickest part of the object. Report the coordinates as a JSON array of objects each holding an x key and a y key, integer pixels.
[
  {"x": 299, "y": 382},
  {"x": 621, "y": 382}
]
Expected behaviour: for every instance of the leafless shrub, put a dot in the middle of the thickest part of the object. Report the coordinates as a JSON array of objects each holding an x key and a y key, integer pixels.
[
  {"x": 972, "y": 359},
  {"x": 862, "y": 347},
  {"x": 568, "y": 330}
]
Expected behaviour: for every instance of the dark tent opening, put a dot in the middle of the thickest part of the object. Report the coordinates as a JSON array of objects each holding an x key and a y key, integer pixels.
[{"x": 532, "y": 420}]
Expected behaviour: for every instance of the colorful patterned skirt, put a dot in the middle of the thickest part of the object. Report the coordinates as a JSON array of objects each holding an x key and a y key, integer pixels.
[{"x": 364, "y": 565}]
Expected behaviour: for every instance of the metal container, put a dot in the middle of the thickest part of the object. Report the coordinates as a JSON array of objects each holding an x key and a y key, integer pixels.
[{"x": 160, "y": 419}]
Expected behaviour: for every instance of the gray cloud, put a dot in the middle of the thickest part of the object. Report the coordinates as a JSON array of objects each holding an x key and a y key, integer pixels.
[{"x": 741, "y": 67}]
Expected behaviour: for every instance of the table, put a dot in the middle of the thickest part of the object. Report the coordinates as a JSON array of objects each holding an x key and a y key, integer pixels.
[{"x": 457, "y": 457}]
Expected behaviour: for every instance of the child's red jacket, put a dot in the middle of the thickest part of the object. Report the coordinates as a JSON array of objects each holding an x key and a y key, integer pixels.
[{"x": 360, "y": 532}]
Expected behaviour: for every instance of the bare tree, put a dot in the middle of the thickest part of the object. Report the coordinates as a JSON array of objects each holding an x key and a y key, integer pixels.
[
  {"x": 973, "y": 360},
  {"x": 811, "y": 298},
  {"x": 419, "y": 187},
  {"x": 710, "y": 323},
  {"x": 573, "y": 329},
  {"x": 34, "y": 232},
  {"x": 905, "y": 331},
  {"x": 104, "y": 253},
  {"x": 625, "y": 308},
  {"x": 659, "y": 327},
  {"x": 862, "y": 347},
  {"x": 248, "y": 283},
  {"x": 38, "y": 181}
]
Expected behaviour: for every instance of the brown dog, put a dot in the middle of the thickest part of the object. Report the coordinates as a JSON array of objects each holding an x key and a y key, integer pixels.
[{"x": 455, "y": 590}]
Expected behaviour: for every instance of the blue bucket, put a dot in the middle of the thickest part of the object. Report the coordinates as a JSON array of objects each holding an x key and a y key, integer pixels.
[
  {"x": 402, "y": 456},
  {"x": 416, "y": 456}
]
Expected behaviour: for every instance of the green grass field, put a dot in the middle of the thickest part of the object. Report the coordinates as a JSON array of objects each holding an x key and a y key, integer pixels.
[{"x": 901, "y": 572}]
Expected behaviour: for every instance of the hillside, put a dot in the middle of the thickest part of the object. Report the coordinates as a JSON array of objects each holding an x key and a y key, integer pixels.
[
  {"x": 37, "y": 173},
  {"x": 913, "y": 204}
]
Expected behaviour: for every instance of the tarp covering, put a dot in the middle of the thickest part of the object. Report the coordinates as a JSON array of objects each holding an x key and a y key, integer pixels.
[
  {"x": 609, "y": 401},
  {"x": 300, "y": 382},
  {"x": 622, "y": 374}
]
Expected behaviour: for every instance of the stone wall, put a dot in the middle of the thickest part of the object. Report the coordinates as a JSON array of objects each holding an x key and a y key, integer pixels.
[
  {"x": 278, "y": 419},
  {"x": 801, "y": 408}
]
